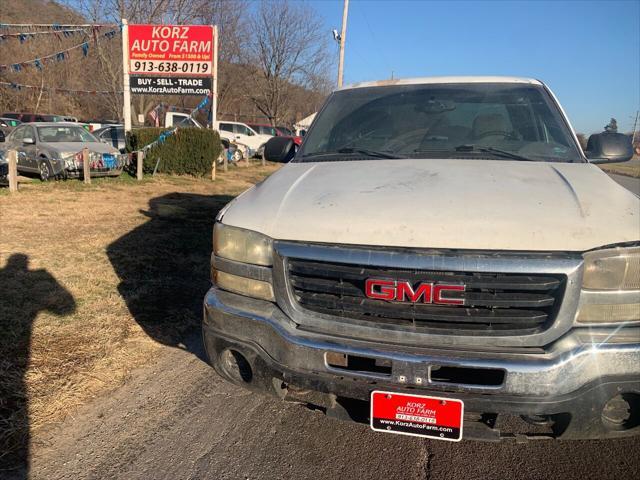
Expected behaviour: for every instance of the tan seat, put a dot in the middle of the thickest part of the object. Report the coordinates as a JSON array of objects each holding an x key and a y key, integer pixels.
[{"x": 490, "y": 127}]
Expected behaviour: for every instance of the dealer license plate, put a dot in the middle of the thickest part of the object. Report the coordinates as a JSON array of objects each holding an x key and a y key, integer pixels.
[{"x": 418, "y": 415}]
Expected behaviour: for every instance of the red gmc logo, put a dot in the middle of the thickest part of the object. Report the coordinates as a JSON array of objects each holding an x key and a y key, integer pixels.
[{"x": 402, "y": 291}]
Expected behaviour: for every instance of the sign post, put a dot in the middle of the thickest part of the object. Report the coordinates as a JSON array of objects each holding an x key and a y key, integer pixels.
[
  {"x": 214, "y": 92},
  {"x": 126, "y": 110}
]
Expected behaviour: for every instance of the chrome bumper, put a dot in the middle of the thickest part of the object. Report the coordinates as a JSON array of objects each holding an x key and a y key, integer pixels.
[{"x": 579, "y": 358}]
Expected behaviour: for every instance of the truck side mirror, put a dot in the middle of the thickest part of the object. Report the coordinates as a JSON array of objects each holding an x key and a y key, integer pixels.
[
  {"x": 608, "y": 147},
  {"x": 279, "y": 149}
]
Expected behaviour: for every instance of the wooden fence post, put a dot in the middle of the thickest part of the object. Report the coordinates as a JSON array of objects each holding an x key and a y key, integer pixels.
[
  {"x": 86, "y": 168},
  {"x": 225, "y": 164},
  {"x": 140, "y": 164},
  {"x": 13, "y": 170}
]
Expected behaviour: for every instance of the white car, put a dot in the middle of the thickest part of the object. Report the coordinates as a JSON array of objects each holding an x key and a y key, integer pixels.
[
  {"x": 238, "y": 132},
  {"x": 440, "y": 258}
]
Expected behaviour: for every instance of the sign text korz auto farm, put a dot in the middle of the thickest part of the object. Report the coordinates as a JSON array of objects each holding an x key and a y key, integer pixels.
[{"x": 171, "y": 50}]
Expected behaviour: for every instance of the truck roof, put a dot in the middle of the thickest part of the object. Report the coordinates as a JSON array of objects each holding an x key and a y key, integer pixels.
[{"x": 431, "y": 80}]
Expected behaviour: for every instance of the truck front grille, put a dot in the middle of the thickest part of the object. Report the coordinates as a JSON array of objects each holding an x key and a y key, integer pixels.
[{"x": 494, "y": 303}]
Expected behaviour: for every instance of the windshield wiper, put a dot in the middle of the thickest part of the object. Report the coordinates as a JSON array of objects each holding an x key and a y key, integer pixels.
[
  {"x": 371, "y": 153},
  {"x": 494, "y": 151},
  {"x": 351, "y": 151}
]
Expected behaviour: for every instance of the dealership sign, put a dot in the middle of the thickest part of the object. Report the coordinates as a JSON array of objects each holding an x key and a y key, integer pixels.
[
  {"x": 169, "y": 60},
  {"x": 171, "y": 50}
]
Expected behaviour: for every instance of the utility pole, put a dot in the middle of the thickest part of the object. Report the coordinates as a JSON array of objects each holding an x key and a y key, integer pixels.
[
  {"x": 343, "y": 37},
  {"x": 635, "y": 124}
]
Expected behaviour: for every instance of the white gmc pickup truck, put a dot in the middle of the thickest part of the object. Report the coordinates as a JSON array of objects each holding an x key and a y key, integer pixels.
[{"x": 440, "y": 258}]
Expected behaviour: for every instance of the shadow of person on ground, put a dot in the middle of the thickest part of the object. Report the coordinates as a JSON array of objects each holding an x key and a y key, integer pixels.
[
  {"x": 163, "y": 266},
  {"x": 24, "y": 293}
]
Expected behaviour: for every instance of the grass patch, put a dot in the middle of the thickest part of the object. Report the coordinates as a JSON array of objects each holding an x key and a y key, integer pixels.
[
  {"x": 630, "y": 169},
  {"x": 94, "y": 278}
]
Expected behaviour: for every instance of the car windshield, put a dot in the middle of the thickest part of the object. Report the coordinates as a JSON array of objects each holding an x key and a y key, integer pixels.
[
  {"x": 463, "y": 121},
  {"x": 63, "y": 133}
]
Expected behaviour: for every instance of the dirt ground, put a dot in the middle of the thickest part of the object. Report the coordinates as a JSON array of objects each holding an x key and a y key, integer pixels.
[{"x": 77, "y": 265}]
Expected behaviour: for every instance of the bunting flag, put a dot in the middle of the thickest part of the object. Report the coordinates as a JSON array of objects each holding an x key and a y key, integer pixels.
[
  {"x": 20, "y": 86},
  {"x": 56, "y": 57},
  {"x": 57, "y": 26},
  {"x": 24, "y": 36},
  {"x": 174, "y": 131}
]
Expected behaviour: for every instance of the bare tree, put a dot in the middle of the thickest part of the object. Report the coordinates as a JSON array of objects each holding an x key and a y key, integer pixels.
[
  {"x": 272, "y": 59},
  {"x": 287, "y": 48}
]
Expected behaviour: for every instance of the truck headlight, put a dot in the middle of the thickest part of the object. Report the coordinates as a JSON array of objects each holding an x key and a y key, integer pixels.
[
  {"x": 243, "y": 261},
  {"x": 243, "y": 286},
  {"x": 610, "y": 286},
  {"x": 612, "y": 269},
  {"x": 242, "y": 245}
]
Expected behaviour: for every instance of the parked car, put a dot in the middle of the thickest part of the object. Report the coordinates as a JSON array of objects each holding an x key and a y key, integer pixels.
[
  {"x": 96, "y": 124},
  {"x": 114, "y": 136},
  {"x": 285, "y": 132},
  {"x": 53, "y": 150},
  {"x": 439, "y": 259},
  {"x": 242, "y": 133},
  {"x": 34, "y": 117},
  {"x": 265, "y": 129},
  {"x": 8, "y": 124},
  {"x": 182, "y": 120},
  {"x": 4, "y": 169}
]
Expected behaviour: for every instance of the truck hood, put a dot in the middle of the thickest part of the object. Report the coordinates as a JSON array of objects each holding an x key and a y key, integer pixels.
[{"x": 448, "y": 204}]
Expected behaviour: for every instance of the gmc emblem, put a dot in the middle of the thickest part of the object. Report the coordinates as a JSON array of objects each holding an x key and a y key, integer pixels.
[{"x": 402, "y": 291}]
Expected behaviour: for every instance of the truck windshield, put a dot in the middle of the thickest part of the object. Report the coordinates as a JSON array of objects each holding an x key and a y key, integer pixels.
[{"x": 465, "y": 121}]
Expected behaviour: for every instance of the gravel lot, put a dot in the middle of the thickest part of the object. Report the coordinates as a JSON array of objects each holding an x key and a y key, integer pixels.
[{"x": 176, "y": 419}]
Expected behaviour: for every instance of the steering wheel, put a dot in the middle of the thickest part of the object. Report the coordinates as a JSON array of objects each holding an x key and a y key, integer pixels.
[{"x": 491, "y": 133}]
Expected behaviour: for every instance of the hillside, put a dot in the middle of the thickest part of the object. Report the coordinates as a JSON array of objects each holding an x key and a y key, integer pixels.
[{"x": 22, "y": 11}]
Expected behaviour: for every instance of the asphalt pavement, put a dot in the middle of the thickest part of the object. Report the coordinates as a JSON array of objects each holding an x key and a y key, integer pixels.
[
  {"x": 175, "y": 419},
  {"x": 630, "y": 183}
]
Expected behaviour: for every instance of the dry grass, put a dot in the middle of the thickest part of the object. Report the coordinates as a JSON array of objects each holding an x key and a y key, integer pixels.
[
  {"x": 93, "y": 279},
  {"x": 630, "y": 168}
]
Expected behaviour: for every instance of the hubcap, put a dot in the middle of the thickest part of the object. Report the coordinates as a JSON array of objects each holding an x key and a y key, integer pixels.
[{"x": 44, "y": 171}]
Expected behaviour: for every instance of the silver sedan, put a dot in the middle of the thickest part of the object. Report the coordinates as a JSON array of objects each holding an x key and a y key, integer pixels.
[{"x": 53, "y": 150}]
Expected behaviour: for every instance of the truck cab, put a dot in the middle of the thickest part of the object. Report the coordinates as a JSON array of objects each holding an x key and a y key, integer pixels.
[
  {"x": 440, "y": 258},
  {"x": 238, "y": 132}
]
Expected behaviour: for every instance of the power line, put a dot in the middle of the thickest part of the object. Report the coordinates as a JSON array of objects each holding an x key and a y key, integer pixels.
[
  {"x": 375, "y": 40},
  {"x": 20, "y": 86}
]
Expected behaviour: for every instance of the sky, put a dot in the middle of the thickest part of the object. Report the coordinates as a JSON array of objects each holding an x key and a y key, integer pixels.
[{"x": 587, "y": 52}]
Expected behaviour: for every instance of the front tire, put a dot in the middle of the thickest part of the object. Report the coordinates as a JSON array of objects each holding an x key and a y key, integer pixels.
[{"x": 46, "y": 172}]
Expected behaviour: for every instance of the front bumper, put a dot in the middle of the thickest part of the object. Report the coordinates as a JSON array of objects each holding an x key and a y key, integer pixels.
[
  {"x": 102, "y": 172},
  {"x": 561, "y": 391}
]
